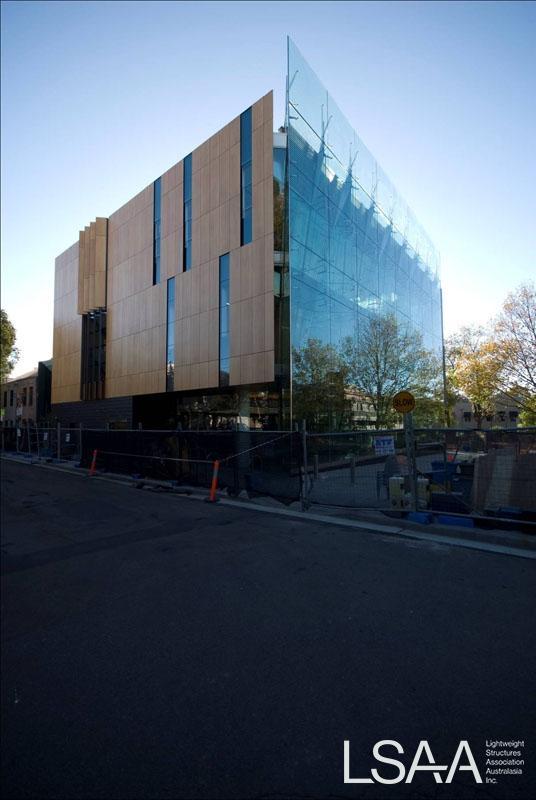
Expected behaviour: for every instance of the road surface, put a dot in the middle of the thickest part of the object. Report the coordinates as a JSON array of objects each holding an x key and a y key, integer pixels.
[{"x": 158, "y": 647}]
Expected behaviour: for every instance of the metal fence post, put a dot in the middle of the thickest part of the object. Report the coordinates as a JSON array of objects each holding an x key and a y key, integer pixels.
[
  {"x": 410, "y": 453},
  {"x": 29, "y": 439},
  {"x": 316, "y": 466},
  {"x": 58, "y": 440},
  {"x": 446, "y": 479},
  {"x": 305, "y": 483},
  {"x": 80, "y": 441}
]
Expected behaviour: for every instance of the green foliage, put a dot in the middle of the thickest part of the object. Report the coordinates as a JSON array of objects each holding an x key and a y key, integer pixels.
[
  {"x": 497, "y": 365},
  {"x": 515, "y": 333},
  {"x": 476, "y": 367},
  {"x": 384, "y": 360},
  {"x": 319, "y": 386},
  {"x": 527, "y": 417},
  {"x": 515, "y": 337},
  {"x": 388, "y": 358},
  {"x": 9, "y": 354}
]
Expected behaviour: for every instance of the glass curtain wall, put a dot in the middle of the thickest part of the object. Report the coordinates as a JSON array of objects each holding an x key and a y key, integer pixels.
[
  {"x": 170, "y": 336},
  {"x": 157, "y": 208},
  {"x": 246, "y": 178},
  {"x": 365, "y": 290},
  {"x": 93, "y": 356},
  {"x": 187, "y": 214}
]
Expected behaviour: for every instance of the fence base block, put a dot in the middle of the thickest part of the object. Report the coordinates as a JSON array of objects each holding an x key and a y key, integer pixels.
[
  {"x": 420, "y": 516},
  {"x": 460, "y": 522}
]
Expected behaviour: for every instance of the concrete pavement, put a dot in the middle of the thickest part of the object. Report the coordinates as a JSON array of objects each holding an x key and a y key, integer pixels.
[{"x": 158, "y": 647}]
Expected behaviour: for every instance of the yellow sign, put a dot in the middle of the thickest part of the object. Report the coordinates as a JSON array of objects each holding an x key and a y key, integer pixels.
[{"x": 403, "y": 402}]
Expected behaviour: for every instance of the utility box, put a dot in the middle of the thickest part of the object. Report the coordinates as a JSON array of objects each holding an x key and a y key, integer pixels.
[
  {"x": 423, "y": 493},
  {"x": 398, "y": 497}
]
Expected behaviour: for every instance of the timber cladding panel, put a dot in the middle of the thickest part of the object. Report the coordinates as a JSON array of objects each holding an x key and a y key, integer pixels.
[
  {"x": 135, "y": 336},
  {"x": 67, "y": 329},
  {"x": 216, "y": 231},
  {"x": 93, "y": 246},
  {"x": 136, "y": 310}
]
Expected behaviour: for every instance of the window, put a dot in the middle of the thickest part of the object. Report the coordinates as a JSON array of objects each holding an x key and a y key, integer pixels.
[
  {"x": 187, "y": 214},
  {"x": 11, "y": 397},
  {"x": 513, "y": 415},
  {"x": 246, "y": 178},
  {"x": 30, "y": 396},
  {"x": 225, "y": 332},
  {"x": 467, "y": 416},
  {"x": 156, "y": 231},
  {"x": 93, "y": 366},
  {"x": 5, "y": 399},
  {"x": 170, "y": 336},
  {"x": 24, "y": 395}
]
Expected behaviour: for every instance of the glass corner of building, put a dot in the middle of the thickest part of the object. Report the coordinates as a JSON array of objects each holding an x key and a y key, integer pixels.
[{"x": 359, "y": 262}]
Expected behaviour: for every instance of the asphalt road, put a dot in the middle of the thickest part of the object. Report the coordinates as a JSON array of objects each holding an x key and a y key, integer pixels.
[{"x": 159, "y": 647}]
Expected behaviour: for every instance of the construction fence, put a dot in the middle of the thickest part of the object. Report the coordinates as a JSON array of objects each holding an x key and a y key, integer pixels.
[
  {"x": 457, "y": 471},
  {"x": 258, "y": 462},
  {"x": 54, "y": 442},
  {"x": 453, "y": 471}
]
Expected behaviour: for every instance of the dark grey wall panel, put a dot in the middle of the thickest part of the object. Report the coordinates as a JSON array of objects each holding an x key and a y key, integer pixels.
[{"x": 95, "y": 413}]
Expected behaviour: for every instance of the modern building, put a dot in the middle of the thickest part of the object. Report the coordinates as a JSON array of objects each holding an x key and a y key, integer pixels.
[
  {"x": 245, "y": 286},
  {"x": 26, "y": 399}
]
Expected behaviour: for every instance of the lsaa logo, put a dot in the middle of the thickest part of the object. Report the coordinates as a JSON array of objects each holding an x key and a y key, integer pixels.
[{"x": 423, "y": 761}]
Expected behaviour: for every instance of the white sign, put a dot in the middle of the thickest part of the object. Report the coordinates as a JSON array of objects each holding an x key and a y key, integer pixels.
[
  {"x": 384, "y": 445},
  {"x": 45, "y": 436},
  {"x": 67, "y": 437},
  {"x": 19, "y": 432}
]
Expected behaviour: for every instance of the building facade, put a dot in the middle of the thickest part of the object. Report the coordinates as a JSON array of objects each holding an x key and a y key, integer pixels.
[
  {"x": 237, "y": 289},
  {"x": 505, "y": 415},
  {"x": 26, "y": 399}
]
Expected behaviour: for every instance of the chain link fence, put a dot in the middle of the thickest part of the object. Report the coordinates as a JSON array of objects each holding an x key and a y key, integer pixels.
[
  {"x": 259, "y": 462},
  {"x": 458, "y": 471},
  {"x": 489, "y": 472},
  {"x": 55, "y": 443}
]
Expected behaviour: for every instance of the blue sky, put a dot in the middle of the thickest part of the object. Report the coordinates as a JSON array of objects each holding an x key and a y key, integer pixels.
[{"x": 98, "y": 99}]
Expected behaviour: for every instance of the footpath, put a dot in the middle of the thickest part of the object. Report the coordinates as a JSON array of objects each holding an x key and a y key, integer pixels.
[{"x": 506, "y": 542}]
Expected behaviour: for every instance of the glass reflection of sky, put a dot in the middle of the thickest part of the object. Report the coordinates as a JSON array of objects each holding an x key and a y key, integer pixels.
[{"x": 356, "y": 249}]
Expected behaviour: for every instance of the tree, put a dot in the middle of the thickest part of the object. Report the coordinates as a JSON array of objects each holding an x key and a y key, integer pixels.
[
  {"x": 515, "y": 335},
  {"x": 320, "y": 381},
  {"x": 387, "y": 358},
  {"x": 476, "y": 368},
  {"x": 527, "y": 418},
  {"x": 9, "y": 354}
]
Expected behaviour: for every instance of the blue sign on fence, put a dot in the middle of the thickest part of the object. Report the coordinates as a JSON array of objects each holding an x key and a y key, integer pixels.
[{"x": 384, "y": 445}]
